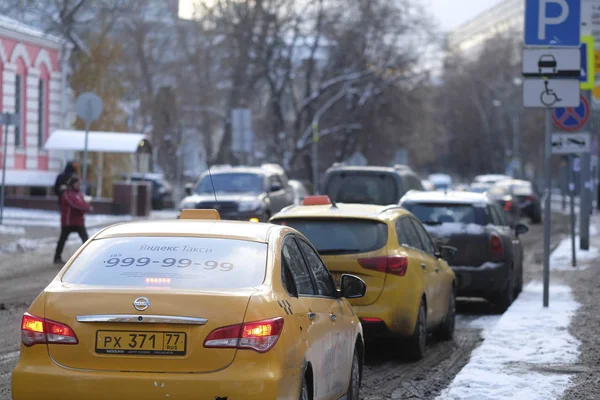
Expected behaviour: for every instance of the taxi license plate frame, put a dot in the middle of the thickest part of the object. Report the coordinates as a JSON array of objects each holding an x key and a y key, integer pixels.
[{"x": 135, "y": 337}]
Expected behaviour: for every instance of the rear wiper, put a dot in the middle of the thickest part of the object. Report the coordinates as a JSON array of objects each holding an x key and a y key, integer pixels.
[
  {"x": 338, "y": 251},
  {"x": 431, "y": 223}
]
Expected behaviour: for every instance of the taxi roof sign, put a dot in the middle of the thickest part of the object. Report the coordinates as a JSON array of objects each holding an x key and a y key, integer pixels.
[
  {"x": 321, "y": 200},
  {"x": 200, "y": 214}
]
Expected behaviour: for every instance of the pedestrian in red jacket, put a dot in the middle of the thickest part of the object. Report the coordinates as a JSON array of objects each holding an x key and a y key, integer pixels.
[{"x": 72, "y": 210}]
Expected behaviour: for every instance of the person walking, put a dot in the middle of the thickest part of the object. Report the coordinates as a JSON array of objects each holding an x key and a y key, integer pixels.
[
  {"x": 72, "y": 210},
  {"x": 61, "y": 180}
]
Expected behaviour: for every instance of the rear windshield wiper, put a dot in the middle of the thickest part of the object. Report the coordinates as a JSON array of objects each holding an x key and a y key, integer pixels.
[
  {"x": 431, "y": 223},
  {"x": 339, "y": 251}
]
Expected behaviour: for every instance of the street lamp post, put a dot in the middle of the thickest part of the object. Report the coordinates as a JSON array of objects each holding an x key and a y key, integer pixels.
[{"x": 6, "y": 119}]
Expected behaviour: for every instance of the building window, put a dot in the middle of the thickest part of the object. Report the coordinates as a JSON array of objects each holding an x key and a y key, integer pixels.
[
  {"x": 41, "y": 117},
  {"x": 18, "y": 106}
]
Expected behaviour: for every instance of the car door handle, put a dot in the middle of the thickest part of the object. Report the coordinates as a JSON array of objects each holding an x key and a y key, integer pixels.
[
  {"x": 312, "y": 315},
  {"x": 332, "y": 317},
  {"x": 424, "y": 266}
]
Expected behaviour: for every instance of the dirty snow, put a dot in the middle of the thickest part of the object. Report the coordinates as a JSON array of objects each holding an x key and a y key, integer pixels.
[
  {"x": 560, "y": 259},
  {"x": 452, "y": 228},
  {"x": 11, "y": 230},
  {"x": 518, "y": 356}
]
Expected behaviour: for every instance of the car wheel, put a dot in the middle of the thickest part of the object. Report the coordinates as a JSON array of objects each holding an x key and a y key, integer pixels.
[
  {"x": 304, "y": 390},
  {"x": 354, "y": 387},
  {"x": 446, "y": 330},
  {"x": 418, "y": 341},
  {"x": 508, "y": 295}
]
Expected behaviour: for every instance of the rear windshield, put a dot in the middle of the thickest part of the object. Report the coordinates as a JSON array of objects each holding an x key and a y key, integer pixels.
[
  {"x": 335, "y": 236},
  {"x": 170, "y": 262},
  {"x": 363, "y": 188},
  {"x": 436, "y": 213},
  {"x": 522, "y": 190}
]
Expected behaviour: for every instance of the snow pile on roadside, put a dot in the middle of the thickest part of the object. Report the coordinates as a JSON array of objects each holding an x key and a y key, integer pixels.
[
  {"x": 514, "y": 360},
  {"x": 26, "y": 245},
  {"x": 11, "y": 230},
  {"x": 560, "y": 259}
]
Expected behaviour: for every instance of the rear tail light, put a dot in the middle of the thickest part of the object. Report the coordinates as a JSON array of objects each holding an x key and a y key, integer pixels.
[
  {"x": 507, "y": 205},
  {"x": 36, "y": 330},
  {"x": 370, "y": 320},
  {"x": 395, "y": 265},
  {"x": 259, "y": 336},
  {"x": 496, "y": 246}
]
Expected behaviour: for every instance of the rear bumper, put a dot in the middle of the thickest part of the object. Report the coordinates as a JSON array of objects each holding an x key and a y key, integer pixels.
[
  {"x": 240, "y": 380},
  {"x": 485, "y": 280}
]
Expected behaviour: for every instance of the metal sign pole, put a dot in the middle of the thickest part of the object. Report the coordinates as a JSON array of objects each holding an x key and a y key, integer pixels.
[
  {"x": 4, "y": 152},
  {"x": 315, "y": 158},
  {"x": 85, "y": 157},
  {"x": 571, "y": 172},
  {"x": 547, "y": 204},
  {"x": 586, "y": 191}
]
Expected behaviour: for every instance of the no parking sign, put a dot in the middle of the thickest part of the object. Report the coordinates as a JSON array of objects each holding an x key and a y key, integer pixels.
[{"x": 572, "y": 119}]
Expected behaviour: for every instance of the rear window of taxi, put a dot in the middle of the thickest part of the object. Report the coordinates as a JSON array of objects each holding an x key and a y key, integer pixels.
[
  {"x": 340, "y": 236},
  {"x": 172, "y": 262}
]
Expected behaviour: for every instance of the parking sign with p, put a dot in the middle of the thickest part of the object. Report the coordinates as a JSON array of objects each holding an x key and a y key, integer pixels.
[{"x": 553, "y": 23}]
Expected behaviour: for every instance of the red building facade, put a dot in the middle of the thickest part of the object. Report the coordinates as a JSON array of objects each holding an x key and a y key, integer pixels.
[{"x": 31, "y": 84}]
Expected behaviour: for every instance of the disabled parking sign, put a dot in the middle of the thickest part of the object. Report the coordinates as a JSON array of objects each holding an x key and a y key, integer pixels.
[{"x": 572, "y": 119}]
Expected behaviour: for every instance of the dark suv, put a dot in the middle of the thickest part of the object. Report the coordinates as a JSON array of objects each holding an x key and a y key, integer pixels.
[
  {"x": 241, "y": 193},
  {"x": 369, "y": 185}
]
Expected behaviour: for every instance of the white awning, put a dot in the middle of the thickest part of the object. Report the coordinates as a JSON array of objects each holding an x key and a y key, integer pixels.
[{"x": 100, "y": 142}]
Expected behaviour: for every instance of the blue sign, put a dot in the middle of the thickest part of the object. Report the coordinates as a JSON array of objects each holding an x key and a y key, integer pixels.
[
  {"x": 584, "y": 63},
  {"x": 572, "y": 119},
  {"x": 552, "y": 23}
]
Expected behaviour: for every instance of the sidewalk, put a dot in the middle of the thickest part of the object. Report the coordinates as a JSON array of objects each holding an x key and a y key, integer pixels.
[
  {"x": 25, "y": 230},
  {"x": 543, "y": 353}
]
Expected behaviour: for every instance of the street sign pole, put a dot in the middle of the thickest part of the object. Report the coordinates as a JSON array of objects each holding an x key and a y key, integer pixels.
[
  {"x": 586, "y": 192},
  {"x": 89, "y": 107},
  {"x": 547, "y": 204},
  {"x": 85, "y": 157},
  {"x": 571, "y": 174},
  {"x": 315, "y": 157}
]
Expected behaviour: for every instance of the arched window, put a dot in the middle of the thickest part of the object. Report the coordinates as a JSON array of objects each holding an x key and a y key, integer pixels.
[
  {"x": 20, "y": 104},
  {"x": 43, "y": 105}
]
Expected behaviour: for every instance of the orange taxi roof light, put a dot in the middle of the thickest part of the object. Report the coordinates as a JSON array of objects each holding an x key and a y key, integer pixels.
[
  {"x": 321, "y": 200},
  {"x": 200, "y": 214}
]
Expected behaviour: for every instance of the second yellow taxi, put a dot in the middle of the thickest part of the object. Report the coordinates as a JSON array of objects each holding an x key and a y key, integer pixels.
[{"x": 410, "y": 287}]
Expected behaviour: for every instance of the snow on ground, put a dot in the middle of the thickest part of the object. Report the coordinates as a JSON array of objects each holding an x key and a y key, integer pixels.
[
  {"x": 23, "y": 245},
  {"x": 11, "y": 230},
  {"x": 516, "y": 359},
  {"x": 45, "y": 218},
  {"x": 560, "y": 259}
]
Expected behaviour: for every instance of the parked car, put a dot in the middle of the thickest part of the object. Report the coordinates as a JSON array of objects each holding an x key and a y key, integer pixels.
[
  {"x": 479, "y": 187},
  {"x": 162, "y": 193},
  {"x": 369, "y": 185},
  {"x": 490, "y": 179},
  {"x": 410, "y": 287},
  {"x": 193, "y": 308},
  {"x": 520, "y": 198},
  {"x": 300, "y": 191},
  {"x": 241, "y": 193},
  {"x": 489, "y": 259},
  {"x": 441, "y": 181}
]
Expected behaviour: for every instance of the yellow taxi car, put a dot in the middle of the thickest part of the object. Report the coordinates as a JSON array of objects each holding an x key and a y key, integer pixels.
[
  {"x": 410, "y": 287},
  {"x": 196, "y": 308}
]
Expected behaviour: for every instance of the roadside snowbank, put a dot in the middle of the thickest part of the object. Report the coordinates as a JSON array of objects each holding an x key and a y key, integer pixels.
[
  {"x": 518, "y": 355},
  {"x": 560, "y": 259},
  {"x": 11, "y": 230}
]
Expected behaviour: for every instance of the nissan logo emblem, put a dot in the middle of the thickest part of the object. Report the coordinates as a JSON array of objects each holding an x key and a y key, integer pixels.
[{"x": 141, "y": 303}]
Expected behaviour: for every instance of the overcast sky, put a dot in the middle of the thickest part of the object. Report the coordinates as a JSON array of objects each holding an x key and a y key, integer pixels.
[
  {"x": 450, "y": 13},
  {"x": 454, "y": 12}
]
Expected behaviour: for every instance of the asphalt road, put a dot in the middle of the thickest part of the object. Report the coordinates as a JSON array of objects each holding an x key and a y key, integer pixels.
[{"x": 24, "y": 275}]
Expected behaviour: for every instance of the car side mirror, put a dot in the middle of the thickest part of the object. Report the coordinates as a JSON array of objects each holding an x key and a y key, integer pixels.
[
  {"x": 189, "y": 189},
  {"x": 275, "y": 187},
  {"x": 521, "y": 229},
  {"x": 447, "y": 252},
  {"x": 352, "y": 287}
]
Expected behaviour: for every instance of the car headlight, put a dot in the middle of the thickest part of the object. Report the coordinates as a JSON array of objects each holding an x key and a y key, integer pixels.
[{"x": 249, "y": 206}]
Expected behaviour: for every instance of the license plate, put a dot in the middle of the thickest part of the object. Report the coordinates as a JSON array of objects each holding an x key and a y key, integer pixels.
[{"x": 141, "y": 343}]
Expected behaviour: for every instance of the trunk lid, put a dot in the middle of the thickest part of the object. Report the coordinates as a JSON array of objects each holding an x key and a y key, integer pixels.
[
  {"x": 141, "y": 346},
  {"x": 472, "y": 242}
]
